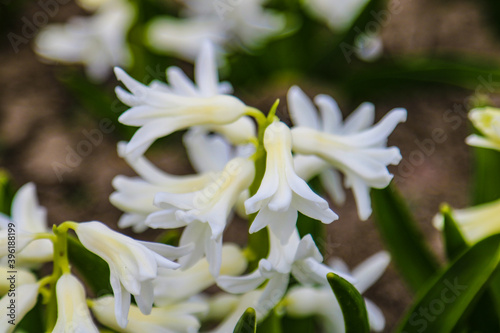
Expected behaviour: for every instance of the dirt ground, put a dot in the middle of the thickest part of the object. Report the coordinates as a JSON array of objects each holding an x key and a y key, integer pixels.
[{"x": 40, "y": 122}]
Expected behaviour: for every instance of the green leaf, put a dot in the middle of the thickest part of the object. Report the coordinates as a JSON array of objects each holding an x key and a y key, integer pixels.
[
  {"x": 352, "y": 304},
  {"x": 91, "y": 267},
  {"x": 486, "y": 181},
  {"x": 247, "y": 322},
  {"x": 416, "y": 263},
  {"x": 484, "y": 316},
  {"x": 307, "y": 324},
  {"x": 271, "y": 324},
  {"x": 454, "y": 241},
  {"x": 7, "y": 192},
  {"x": 446, "y": 301}
]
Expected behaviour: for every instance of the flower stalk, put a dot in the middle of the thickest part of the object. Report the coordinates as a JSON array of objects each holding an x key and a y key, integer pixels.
[
  {"x": 60, "y": 267},
  {"x": 258, "y": 247}
]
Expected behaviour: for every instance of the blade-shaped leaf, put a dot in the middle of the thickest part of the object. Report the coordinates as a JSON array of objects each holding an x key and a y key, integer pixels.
[
  {"x": 484, "y": 317},
  {"x": 454, "y": 241},
  {"x": 7, "y": 192},
  {"x": 412, "y": 257},
  {"x": 445, "y": 302},
  {"x": 352, "y": 304},
  {"x": 486, "y": 183},
  {"x": 247, "y": 322}
]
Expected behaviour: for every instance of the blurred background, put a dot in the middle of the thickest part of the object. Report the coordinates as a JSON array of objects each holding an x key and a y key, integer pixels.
[{"x": 437, "y": 59}]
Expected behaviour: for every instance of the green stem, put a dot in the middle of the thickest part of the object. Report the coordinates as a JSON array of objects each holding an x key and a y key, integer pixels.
[
  {"x": 258, "y": 243},
  {"x": 61, "y": 266}
]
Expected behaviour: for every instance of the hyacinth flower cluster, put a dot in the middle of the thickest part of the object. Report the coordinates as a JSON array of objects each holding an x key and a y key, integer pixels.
[
  {"x": 101, "y": 39},
  {"x": 247, "y": 163}
]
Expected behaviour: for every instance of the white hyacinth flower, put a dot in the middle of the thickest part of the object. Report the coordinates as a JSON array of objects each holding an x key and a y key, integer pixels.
[
  {"x": 179, "y": 317},
  {"x": 303, "y": 301},
  {"x": 133, "y": 264},
  {"x": 73, "y": 314},
  {"x": 475, "y": 222},
  {"x": 244, "y": 23},
  {"x": 338, "y": 14},
  {"x": 282, "y": 193},
  {"x": 135, "y": 195},
  {"x": 205, "y": 212},
  {"x": 299, "y": 257},
  {"x": 29, "y": 219},
  {"x": 26, "y": 300},
  {"x": 487, "y": 121},
  {"x": 355, "y": 148},
  {"x": 160, "y": 113},
  {"x": 207, "y": 85},
  {"x": 98, "y": 41},
  {"x": 183, "y": 37},
  {"x": 173, "y": 286}
]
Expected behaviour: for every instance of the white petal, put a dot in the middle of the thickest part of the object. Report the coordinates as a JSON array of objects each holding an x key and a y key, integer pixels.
[
  {"x": 375, "y": 316},
  {"x": 479, "y": 141},
  {"x": 206, "y": 70},
  {"x": 381, "y": 130},
  {"x": 370, "y": 270},
  {"x": 73, "y": 314},
  {"x": 262, "y": 219},
  {"x": 148, "y": 133},
  {"x": 362, "y": 195},
  {"x": 331, "y": 181},
  {"x": 168, "y": 251},
  {"x": 241, "y": 284},
  {"x": 307, "y": 249},
  {"x": 331, "y": 116},
  {"x": 180, "y": 83},
  {"x": 309, "y": 166},
  {"x": 135, "y": 221},
  {"x": 164, "y": 219},
  {"x": 214, "y": 255},
  {"x": 122, "y": 300},
  {"x": 196, "y": 233},
  {"x": 301, "y": 109},
  {"x": 26, "y": 212},
  {"x": 360, "y": 119},
  {"x": 27, "y": 300},
  {"x": 282, "y": 224},
  {"x": 314, "y": 210},
  {"x": 273, "y": 293},
  {"x": 145, "y": 298},
  {"x": 206, "y": 152}
]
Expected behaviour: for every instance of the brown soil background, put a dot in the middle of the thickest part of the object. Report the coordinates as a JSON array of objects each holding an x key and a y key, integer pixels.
[{"x": 39, "y": 119}]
